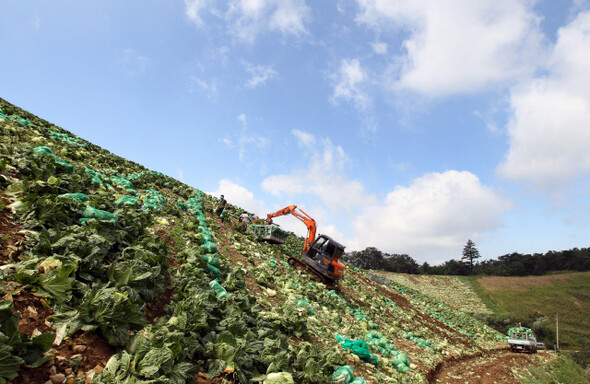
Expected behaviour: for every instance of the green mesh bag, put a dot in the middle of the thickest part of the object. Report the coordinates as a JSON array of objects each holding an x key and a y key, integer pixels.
[
  {"x": 96, "y": 180},
  {"x": 22, "y": 122},
  {"x": 343, "y": 375},
  {"x": 221, "y": 293},
  {"x": 42, "y": 151},
  {"x": 214, "y": 261},
  {"x": 127, "y": 200},
  {"x": 46, "y": 151},
  {"x": 69, "y": 167},
  {"x": 359, "y": 315},
  {"x": 400, "y": 366},
  {"x": 213, "y": 270},
  {"x": 361, "y": 349},
  {"x": 358, "y": 347},
  {"x": 93, "y": 213},
  {"x": 209, "y": 247},
  {"x": 80, "y": 197},
  {"x": 305, "y": 305},
  {"x": 66, "y": 139}
]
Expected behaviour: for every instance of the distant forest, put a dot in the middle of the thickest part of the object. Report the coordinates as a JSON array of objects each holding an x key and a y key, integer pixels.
[{"x": 513, "y": 264}]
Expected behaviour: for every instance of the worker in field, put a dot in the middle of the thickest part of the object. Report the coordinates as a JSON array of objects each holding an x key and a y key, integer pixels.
[
  {"x": 245, "y": 220},
  {"x": 221, "y": 206}
]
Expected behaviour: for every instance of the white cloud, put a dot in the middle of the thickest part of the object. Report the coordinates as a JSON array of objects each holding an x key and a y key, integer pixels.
[
  {"x": 239, "y": 196},
  {"x": 550, "y": 128},
  {"x": 289, "y": 17},
  {"x": 207, "y": 87},
  {"x": 193, "y": 9},
  {"x": 304, "y": 138},
  {"x": 350, "y": 84},
  {"x": 259, "y": 75},
  {"x": 135, "y": 64},
  {"x": 458, "y": 45},
  {"x": 324, "y": 177},
  {"x": 432, "y": 218},
  {"x": 379, "y": 47},
  {"x": 243, "y": 139},
  {"x": 246, "y": 19}
]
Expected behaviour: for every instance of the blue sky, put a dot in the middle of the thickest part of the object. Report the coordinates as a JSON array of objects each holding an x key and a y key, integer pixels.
[{"x": 411, "y": 126}]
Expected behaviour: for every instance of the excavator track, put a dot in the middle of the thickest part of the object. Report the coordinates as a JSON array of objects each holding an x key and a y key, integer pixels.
[{"x": 316, "y": 276}]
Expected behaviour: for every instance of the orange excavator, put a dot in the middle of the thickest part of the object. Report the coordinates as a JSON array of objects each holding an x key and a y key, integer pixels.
[{"x": 320, "y": 255}]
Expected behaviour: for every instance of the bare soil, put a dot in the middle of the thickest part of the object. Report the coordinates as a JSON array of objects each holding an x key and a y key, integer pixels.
[
  {"x": 201, "y": 378},
  {"x": 155, "y": 308},
  {"x": 491, "y": 367},
  {"x": 10, "y": 238}
]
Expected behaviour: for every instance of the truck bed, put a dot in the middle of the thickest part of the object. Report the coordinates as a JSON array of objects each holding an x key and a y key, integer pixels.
[{"x": 523, "y": 345}]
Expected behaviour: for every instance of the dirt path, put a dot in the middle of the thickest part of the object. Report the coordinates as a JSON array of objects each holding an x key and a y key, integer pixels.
[{"x": 494, "y": 367}]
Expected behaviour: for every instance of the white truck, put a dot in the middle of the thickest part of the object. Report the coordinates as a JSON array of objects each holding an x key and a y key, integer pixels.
[{"x": 522, "y": 339}]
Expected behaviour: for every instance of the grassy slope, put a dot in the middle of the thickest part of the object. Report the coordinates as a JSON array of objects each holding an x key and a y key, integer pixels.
[
  {"x": 521, "y": 299},
  {"x": 427, "y": 331},
  {"x": 565, "y": 294}
]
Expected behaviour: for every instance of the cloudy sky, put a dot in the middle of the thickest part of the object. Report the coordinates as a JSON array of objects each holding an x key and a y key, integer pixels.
[{"x": 410, "y": 126}]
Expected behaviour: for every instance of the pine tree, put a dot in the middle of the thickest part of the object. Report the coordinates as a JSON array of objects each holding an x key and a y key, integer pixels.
[{"x": 470, "y": 253}]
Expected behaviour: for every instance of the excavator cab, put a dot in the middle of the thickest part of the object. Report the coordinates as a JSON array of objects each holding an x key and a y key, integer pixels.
[{"x": 323, "y": 256}]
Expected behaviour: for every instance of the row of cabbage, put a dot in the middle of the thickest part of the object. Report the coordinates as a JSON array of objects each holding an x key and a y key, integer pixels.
[{"x": 455, "y": 291}]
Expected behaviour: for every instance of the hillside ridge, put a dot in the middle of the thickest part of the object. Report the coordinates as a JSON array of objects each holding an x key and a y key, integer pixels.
[{"x": 114, "y": 273}]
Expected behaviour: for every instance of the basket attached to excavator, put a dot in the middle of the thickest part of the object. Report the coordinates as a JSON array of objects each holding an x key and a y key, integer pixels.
[{"x": 270, "y": 233}]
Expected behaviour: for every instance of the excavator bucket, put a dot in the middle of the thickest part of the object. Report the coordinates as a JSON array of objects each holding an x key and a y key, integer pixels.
[{"x": 270, "y": 233}]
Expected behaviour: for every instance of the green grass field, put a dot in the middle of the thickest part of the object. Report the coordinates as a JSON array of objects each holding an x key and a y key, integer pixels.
[
  {"x": 561, "y": 370},
  {"x": 528, "y": 298}
]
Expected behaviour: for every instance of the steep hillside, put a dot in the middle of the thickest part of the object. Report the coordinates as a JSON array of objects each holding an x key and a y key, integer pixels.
[{"x": 112, "y": 273}]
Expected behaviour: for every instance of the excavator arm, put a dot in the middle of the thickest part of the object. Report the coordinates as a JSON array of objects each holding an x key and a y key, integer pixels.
[
  {"x": 303, "y": 217},
  {"x": 320, "y": 256}
]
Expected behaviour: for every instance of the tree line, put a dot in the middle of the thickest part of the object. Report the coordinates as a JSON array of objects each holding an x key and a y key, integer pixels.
[{"x": 513, "y": 264}]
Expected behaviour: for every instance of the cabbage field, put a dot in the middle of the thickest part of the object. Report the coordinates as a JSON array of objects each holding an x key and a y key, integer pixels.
[
  {"x": 455, "y": 291},
  {"x": 112, "y": 273}
]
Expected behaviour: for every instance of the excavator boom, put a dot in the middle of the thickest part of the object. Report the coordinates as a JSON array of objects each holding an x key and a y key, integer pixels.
[{"x": 302, "y": 216}]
